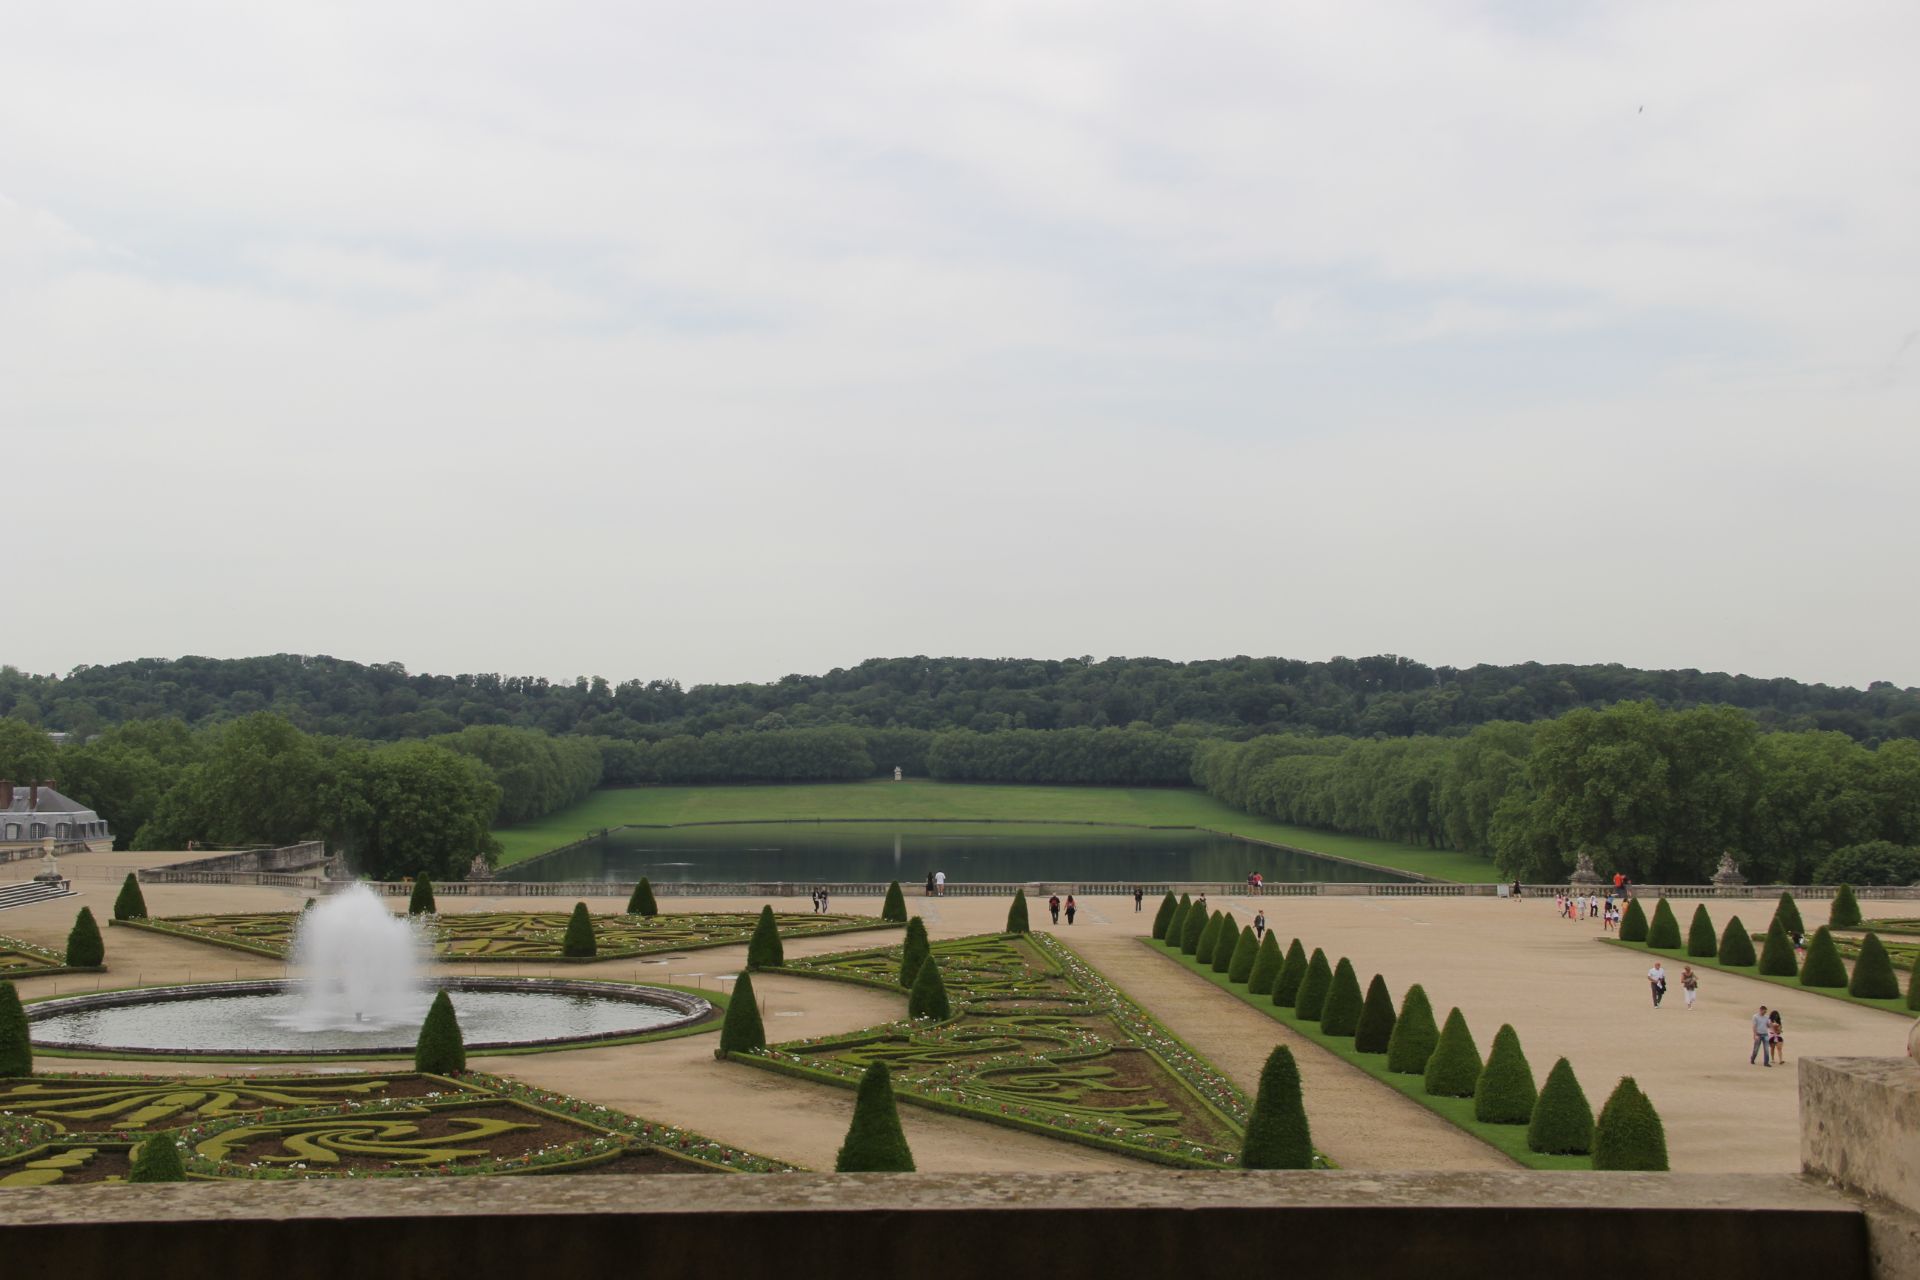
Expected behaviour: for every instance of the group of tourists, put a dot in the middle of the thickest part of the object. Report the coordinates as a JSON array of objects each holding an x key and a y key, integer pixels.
[
  {"x": 1590, "y": 906},
  {"x": 1769, "y": 1035}
]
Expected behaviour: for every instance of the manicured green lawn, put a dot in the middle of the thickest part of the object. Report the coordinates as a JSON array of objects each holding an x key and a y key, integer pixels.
[
  {"x": 1508, "y": 1139},
  {"x": 920, "y": 800},
  {"x": 1678, "y": 956}
]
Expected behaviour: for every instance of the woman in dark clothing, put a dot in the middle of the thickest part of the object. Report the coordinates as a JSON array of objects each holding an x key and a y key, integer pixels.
[{"x": 1071, "y": 909}]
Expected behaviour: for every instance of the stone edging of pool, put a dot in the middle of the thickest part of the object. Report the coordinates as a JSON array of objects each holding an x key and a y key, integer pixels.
[{"x": 695, "y": 1012}]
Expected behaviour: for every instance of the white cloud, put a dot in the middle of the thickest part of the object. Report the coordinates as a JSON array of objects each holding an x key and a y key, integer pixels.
[{"x": 747, "y": 338}]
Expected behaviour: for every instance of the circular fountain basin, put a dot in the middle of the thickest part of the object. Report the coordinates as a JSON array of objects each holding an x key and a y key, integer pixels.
[{"x": 264, "y": 1018}]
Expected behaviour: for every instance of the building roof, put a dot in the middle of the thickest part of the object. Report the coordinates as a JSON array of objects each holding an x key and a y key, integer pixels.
[{"x": 48, "y": 802}]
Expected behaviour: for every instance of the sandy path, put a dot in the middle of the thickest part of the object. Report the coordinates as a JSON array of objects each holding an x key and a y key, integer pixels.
[{"x": 1356, "y": 1120}]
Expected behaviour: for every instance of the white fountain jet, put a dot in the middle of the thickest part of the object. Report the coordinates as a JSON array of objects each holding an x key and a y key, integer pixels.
[{"x": 363, "y": 965}]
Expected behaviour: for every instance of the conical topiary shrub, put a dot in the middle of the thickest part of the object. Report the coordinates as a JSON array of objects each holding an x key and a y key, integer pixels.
[
  {"x": 929, "y": 996},
  {"x": 1505, "y": 1093},
  {"x": 1633, "y": 925},
  {"x": 1562, "y": 1121},
  {"x": 131, "y": 904},
  {"x": 1375, "y": 1031},
  {"x": 1240, "y": 963},
  {"x": 1224, "y": 942},
  {"x": 16, "y": 1040},
  {"x": 875, "y": 1143},
  {"x": 441, "y": 1048},
  {"x": 1913, "y": 985},
  {"x": 1203, "y": 950},
  {"x": 85, "y": 950},
  {"x": 1017, "y": 913},
  {"x": 1824, "y": 967},
  {"x": 914, "y": 950},
  {"x": 1293, "y": 972},
  {"x": 1161, "y": 918},
  {"x": 1701, "y": 944},
  {"x": 158, "y": 1160},
  {"x": 1340, "y": 1015},
  {"x": 764, "y": 950},
  {"x": 1454, "y": 1068},
  {"x": 1196, "y": 924},
  {"x": 1787, "y": 912},
  {"x": 1845, "y": 912},
  {"x": 1266, "y": 967},
  {"x": 1663, "y": 931},
  {"x": 894, "y": 908},
  {"x": 1776, "y": 957},
  {"x": 1177, "y": 922},
  {"x": 1629, "y": 1135},
  {"x": 1736, "y": 948},
  {"x": 1277, "y": 1134},
  {"x": 578, "y": 942},
  {"x": 420, "y": 902},
  {"x": 1313, "y": 989},
  {"x": 1873, "y": 975},
  {"x": 742, "y": 1030},
  {"x": 642, "y": 903},
  {"x": 1414, "y": 1034}
]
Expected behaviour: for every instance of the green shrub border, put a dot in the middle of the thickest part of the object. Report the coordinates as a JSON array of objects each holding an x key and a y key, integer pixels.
[
  {"x": 56, "y": 961},
  {"x": 1894, "y": 1004},
  {"x": 1509, "y": 1140},
  {"x": 164, "y": 926}
]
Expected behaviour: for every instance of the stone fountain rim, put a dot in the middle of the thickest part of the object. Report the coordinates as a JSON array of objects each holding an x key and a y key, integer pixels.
[{"x": 693, "y": 1009}]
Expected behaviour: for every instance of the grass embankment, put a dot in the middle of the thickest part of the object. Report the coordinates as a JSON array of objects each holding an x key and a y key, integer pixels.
[
  {"x": 1508, "y": 1139},
  {"x": 920, "y": 800},
  {"x": 1677, "y": 956}
]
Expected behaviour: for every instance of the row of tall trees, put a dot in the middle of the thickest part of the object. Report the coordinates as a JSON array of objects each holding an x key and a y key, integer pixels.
[
  {"x": 394, "y": 808},
  {"x": 1240, "y": 697},
  {"x": 1654, "y": 793}
]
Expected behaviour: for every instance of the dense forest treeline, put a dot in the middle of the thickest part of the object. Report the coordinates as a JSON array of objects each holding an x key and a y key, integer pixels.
[
  {"x": 1235, "y": 698},
  {"x": 1657, "y": 794}
]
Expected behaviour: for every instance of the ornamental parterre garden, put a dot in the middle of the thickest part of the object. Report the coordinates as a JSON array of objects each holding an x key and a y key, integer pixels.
[
  {"x": 1037, "y": 1040},
  {"x": 522, "y": 936},
  {"x": 78, "y": 1129},
  {"x": 24, "y": 960}
]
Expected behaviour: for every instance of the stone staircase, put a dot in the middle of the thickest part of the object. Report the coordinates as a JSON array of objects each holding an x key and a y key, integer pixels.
[{"x": 25, "y": 892}]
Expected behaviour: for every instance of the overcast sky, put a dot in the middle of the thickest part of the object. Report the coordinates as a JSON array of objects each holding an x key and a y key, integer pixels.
[{"x": 721, "y": 341}]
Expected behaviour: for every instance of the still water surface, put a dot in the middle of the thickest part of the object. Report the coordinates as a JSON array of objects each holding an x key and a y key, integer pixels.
[{"x": 826, "y": 852}]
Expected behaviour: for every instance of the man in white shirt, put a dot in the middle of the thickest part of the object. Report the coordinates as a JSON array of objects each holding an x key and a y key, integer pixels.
[
  {"x": 1762, "y": 1031},
  {"x": 939, "y": 884},
  {"x": 1657, "y": 979}
]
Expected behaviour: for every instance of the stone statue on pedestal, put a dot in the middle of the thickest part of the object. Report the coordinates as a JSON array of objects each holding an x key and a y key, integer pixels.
[
  {"x": 479, "y": 870},
  {"x": 1583, "y": 872},
  {"x": 1728, "y": 876}
]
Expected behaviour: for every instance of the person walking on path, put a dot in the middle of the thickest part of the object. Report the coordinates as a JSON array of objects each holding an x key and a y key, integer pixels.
[
  {"x": 1657, "y": 979},
  {"x": 1689, "y": 984},
  {"x": 1516, "y": 890},
  {"x": 1260, "y": 927},
  {"x": 1053, "y": 906},
  {"x": 1776, "y": 1036},
  {"x": 1138, "y": 893},
  {"x": 1071, "y": 909},
  {"x": 1762, "y": 1039}
]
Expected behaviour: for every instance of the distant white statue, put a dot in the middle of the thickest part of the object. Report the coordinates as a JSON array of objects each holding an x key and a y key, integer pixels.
[{"x": 896, "y": 773}]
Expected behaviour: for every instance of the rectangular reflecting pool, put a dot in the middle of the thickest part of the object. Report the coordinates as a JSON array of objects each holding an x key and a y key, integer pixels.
[{"x": 842, "y": 852}]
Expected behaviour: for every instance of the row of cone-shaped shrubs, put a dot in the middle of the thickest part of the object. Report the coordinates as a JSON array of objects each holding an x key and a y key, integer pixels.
[
  {"x": 1873, "y": 976},
  {"x": 1558, "y": 1116}
]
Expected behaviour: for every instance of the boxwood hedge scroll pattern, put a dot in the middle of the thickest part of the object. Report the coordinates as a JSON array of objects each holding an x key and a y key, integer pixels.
[
  {"x": 23, "y": 959},
  {"x": 513, "y": 936},
  {"x": 1038, "y": 1040}
]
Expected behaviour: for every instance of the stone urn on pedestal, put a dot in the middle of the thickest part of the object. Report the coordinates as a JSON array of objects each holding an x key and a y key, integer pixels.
[{"x": 1583, "y": 873}]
